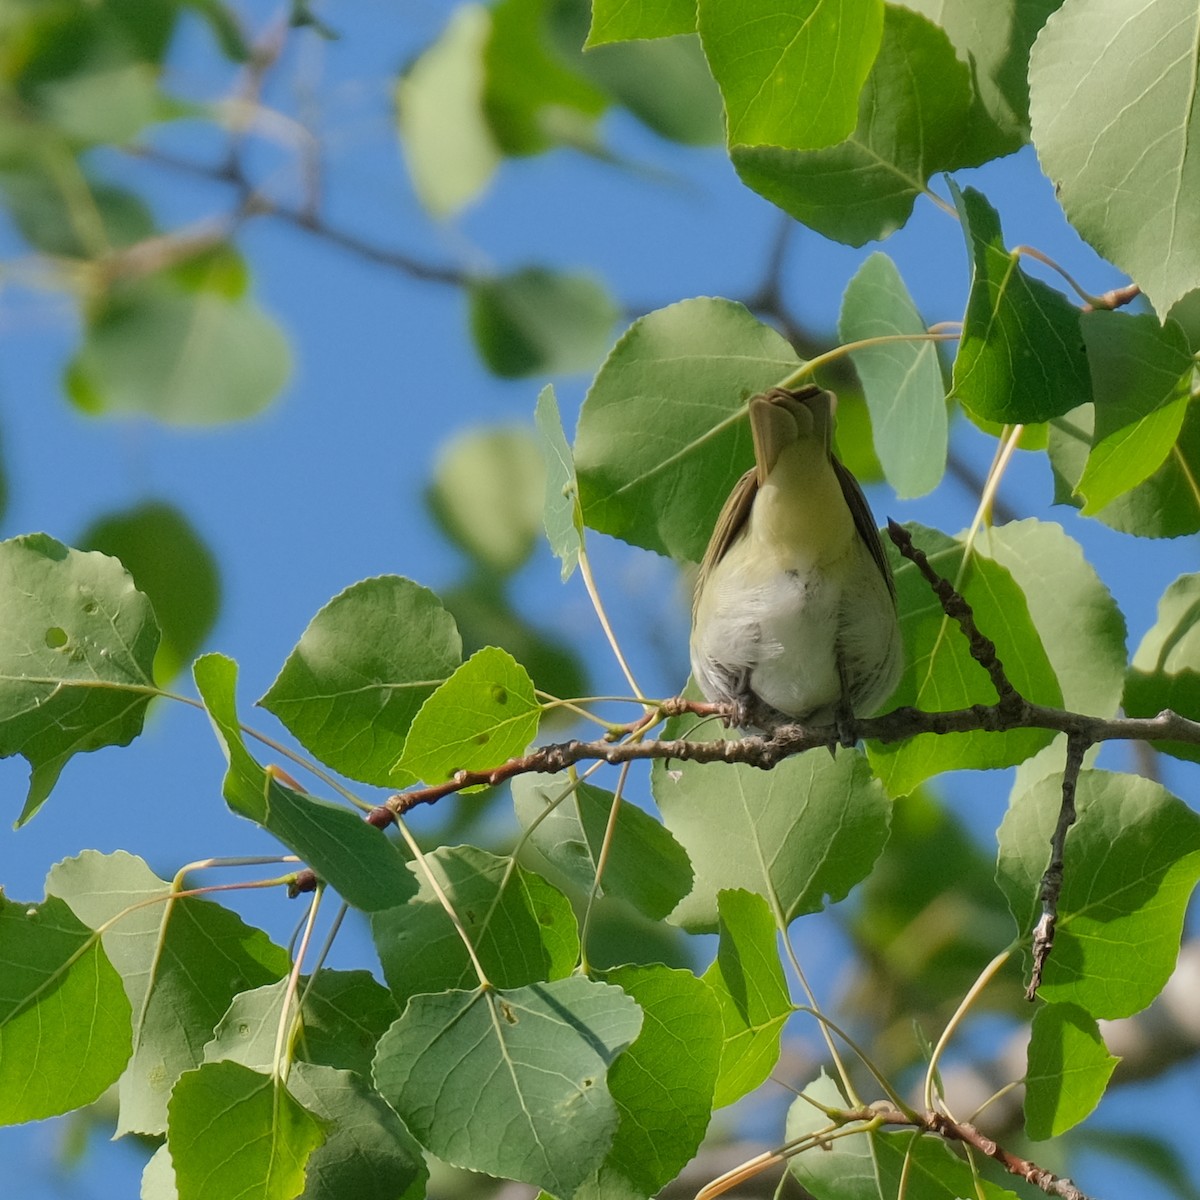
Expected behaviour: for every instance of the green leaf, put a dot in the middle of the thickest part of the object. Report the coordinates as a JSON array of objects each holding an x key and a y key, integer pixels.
[
  {"x": 355, "y": 858},
  {"x": 878, "y": 1164},
  {"x": 1069, "y": 1069},
  {"x": 522, "y": 928},
  {"x": 511, "y": 1082},
  {"x": 790, "y": 75},
  {"x": 487, "y": 494},
  {"x": 902, "y": 380},
  {"x": 662, "y": 435},
  {"x": 646, "y": 866},
  {"x": 182, "y": 960},
  {"x": 1080, "y": 626},
  {"x": 1113, "y": 96},
  {"x": 1165, "y": 505},
  {"x": 173, "y": 567},
  {"x": 343, "y": 1015},
  {"x": 561, "y": 513},
  {"x": 618, "y": 20},
  {"x": 540, "y": 322},
  {"x": 912, "y": 118},
  {"x": 807, "y": 830},
  {"x": 367, "y": 1153},
  {"x": 748, "y": 981},
  {"x": 1021, "y": 357},
  {"x": 1132, "y": 860},
  {"x": 995, "y": 40},
  {"x": 483, "y": 715},
  {"x": 77, "y": 646},
  {"x": 448, "y": 142},
  {"x": 64, "y": 1017},
  {"x": 182, "y": 346},
  {"x": 363, "y": 667},
  {"x": 940, "y": 675},
  {"x": 1141, "y": 376},
  {"x": 235, "y": 1132},
  {"x": 662, "y": 1085},
  {"x": 1165, "y": 672},
  {"x": 534, "y": 100},
  {"x": 485, "y": 616}
]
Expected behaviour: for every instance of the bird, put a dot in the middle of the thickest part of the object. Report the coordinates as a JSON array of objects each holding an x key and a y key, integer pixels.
[{"x": 794, "y": 614}]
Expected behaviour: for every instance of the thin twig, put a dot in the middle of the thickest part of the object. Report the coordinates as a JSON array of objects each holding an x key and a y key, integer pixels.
[{"x": 1052, "y": 880}]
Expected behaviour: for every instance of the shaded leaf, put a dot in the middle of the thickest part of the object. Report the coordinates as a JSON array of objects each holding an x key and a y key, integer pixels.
[
  {"x": 511, "y": 1082},
  {"x": 561, "y": 516},
  {"x": 646, "y": 866},
  {"x": 522, "y": 928},
  {"x": 1132, "y": 860},
  {"x": 617, "y": 20},
  {"x": 808, "y": 830},
  {"x": 1069, "y": 1069}
]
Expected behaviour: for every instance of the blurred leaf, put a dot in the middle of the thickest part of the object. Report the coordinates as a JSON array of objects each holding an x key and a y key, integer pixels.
[
  {"x": 618, "y": 20},
  {"x": 748, "y": 981},
  {"x": 802, "y": 833},
  {"x": 662, "y": 1085},
  {"x": 483, "y": 715},
  {"x": 902, "y": 380},
  {"x": 171, "y": 565},
  {"x": 511, "y": 1081},
  {"x": 1141, "y": 377},
  {"x": 367, "y": 1153},
  {"x": 487, "y": 494},
  {"x": 1166, "y": 505},
  {"x": 361, "y": 670},
  {"x": 84, "y": 221},
  {"x": 233, "y": 1131},
  {"x": 1069, "y": 1069},
  {"x": 1113, "y": 95},
  {"x": 662, "y": 436},
  {"x": 646, "y": 866},
  {"x": 1132, "y": 860},
  {"x": 765, "y": 57},
  {"x": 889, "y": 1164},
  {"x": 77, "y": 646},
  {"x": 185, "y": 346},
  {"x": 447, "y": 140},
  {"x": 485, "y": 617},
  {"x": 994, "y": 39},
  {"x": 665, "y": 83},
  {"x": 940, "y": 674},
  {"x": 225, "y": 27},
  {"x": 64, "y": 1017},
  {"x": 562, "y": 517},
  {"x": 531, "y": 96},
  {"x": 358, "y": 860},
  {"x": 181, "y": 959},
  {"x": 1165, "y": 672},
  {"x": 1081, "y": 628},
  {"x": 912, "y": 116},
  {"x": 1153, "y": 1154},
  {"x": 343, "y": 1015},
  {"x": 539, "y": 322},
  {"x": 1021, "y": 357},
  {"x": 522, "y": 928}
]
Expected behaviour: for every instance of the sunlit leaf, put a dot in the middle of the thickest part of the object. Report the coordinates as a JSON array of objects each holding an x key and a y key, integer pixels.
[{"x": 1069, "y": 1069}]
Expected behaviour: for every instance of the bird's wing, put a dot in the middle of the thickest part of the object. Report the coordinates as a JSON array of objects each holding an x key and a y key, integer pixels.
[
  {"x": 729, "y": 524},
  {"x": 864, "y": 520}
]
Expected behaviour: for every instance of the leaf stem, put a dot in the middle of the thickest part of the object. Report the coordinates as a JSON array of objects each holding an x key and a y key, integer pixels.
[{"x": 807, "y": 370}]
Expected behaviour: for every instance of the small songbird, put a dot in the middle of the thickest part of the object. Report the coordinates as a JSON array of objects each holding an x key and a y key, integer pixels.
[{"x": 794, "y": 615}]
